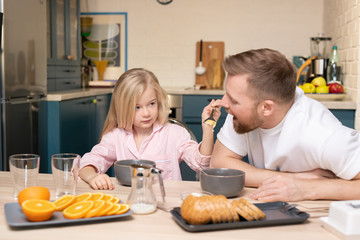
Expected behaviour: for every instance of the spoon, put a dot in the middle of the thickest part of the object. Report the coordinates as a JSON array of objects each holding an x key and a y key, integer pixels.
[
  {"x": 211, "y": 120},
  {"x": 200, "y": 70},
  {"x": 193, "y": 165}
]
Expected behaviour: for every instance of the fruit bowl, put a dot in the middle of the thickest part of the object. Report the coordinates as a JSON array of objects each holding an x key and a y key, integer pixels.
[{"x": 326, "y": 96}]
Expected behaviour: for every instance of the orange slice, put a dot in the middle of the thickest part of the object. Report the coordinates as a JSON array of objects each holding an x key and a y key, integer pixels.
[
  {"x": 107, "y": 197},
  {"x": 108, "y": 206},
  {"x": 64, "y": 202},
  {"x": 36, "y": 192},
  {"x": 78, "y": 210},
  {"x": 123, "y": 208},
  {"x": 116, "y": 207},
  {"x": 97, "y": 196},
  {"x": 83, "y": 197},
  {"x": 99, "y": 205},
  {"x": 37, "y": 210},
  {"x": 115, "y": 200}
]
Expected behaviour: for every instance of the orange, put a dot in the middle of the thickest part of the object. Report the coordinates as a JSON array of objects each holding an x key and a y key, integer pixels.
[
  {"x": 124, "y": 208},
  {"x": 108, "y": 206},
  {"x": 37, "y": 210},
  {"x": 36, "y": 192},
  {"x": 97, "y": 196},
  {"x": 78, "y": 210},
  {"x": 83, "y": 197},
  {"x": 64, "y": 202},
  {"x": 107, "y": 197},
  {"x": 115, "y": 200},
  {"x": 99, "y": 205},
  {"x": 116, "y": 207}
]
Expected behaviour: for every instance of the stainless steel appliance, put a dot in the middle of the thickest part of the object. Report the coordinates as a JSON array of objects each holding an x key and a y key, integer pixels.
[
  {"x": 317, "y": 63},
  {"x": 22, "y": 75},
  {"x": 175, "y": 106}
]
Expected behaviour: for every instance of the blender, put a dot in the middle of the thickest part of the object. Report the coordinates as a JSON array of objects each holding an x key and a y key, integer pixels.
[{"x": 317, "y": 63}]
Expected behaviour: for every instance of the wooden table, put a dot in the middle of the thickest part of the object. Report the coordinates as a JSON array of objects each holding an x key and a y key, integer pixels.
[{"x": 159, "y": 225}]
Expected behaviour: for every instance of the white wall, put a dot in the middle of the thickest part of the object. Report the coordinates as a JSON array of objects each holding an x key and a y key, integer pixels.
[
  {"x": 342, "y": 22},
  {"x": 162, "y": 38}
]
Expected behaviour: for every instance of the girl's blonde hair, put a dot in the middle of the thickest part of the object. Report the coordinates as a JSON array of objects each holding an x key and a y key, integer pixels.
[{"x": 127, "y": 91}]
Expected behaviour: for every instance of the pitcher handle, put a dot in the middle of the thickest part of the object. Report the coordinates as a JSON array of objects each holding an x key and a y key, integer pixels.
[{"x": 161, "y": 182}]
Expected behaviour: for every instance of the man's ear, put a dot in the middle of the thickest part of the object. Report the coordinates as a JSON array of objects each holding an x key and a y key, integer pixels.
[{"x": 267, "y": 108}]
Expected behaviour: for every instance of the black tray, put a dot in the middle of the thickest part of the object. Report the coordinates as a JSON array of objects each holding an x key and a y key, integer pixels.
[
  {"x": 276, "y": 214},
  {"x": 16, "y": 219}
]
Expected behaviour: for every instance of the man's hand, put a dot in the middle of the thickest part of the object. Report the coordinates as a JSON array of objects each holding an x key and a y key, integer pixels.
[{"x": 280, "y": 188}]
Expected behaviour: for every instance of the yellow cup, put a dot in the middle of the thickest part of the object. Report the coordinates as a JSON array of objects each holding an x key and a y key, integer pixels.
[{"x": 101, "y": 66}]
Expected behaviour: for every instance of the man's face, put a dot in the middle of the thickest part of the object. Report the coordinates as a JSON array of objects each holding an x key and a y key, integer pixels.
[{"x": 237, "y": 102}]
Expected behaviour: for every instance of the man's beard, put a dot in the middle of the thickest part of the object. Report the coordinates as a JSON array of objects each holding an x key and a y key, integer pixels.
[{"x": 255, "y": 122}]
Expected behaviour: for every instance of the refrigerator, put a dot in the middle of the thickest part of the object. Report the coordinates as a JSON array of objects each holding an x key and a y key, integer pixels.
[{"x": 23, "y": 84}]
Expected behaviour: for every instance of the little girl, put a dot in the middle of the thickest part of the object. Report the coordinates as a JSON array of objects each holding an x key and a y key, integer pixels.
[{"x": 137, "y": 127}]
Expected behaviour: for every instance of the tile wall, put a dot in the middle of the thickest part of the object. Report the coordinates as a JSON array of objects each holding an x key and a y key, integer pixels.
[{"x": 342, "y": 23}]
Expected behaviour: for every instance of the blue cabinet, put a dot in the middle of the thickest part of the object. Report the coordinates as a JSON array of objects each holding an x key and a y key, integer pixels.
[
  {"x": 346, "y": 116},
  {"x": 71, "y": 126},
  {"x": 193, "y": 105},
  {"x": 63, "y": 45}
]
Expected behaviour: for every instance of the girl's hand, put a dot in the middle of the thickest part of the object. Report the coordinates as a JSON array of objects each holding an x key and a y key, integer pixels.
[
  {"x": 214, "y": 104},
  {"x": 101, "y": 182}
]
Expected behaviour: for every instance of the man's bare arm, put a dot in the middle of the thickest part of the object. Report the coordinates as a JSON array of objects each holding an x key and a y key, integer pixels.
[{"x": 222, "y": 157}]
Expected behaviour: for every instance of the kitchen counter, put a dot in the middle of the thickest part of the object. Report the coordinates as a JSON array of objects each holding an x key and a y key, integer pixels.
[
  {"x": 346, "y": 103},
  {"x": 159, "y": 225},
  {"x": 73, "y": 94}
]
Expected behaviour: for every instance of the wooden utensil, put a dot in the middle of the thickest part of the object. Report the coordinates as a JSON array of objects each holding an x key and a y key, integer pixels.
[{"x": 210, "y": 51}]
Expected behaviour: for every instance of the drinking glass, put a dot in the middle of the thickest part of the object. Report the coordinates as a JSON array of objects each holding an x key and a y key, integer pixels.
[
  {"x": 24, "y": 170},
  {"x": 65, "y": 173}
]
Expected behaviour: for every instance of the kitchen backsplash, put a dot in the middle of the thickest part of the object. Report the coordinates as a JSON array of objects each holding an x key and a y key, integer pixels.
[{"x": 341, "y": 22}]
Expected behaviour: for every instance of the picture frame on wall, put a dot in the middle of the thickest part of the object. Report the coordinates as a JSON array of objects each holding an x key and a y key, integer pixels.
[{"x": 104, "y": 39}]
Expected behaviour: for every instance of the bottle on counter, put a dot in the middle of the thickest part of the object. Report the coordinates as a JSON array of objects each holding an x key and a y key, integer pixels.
[{"x": 334, "y": 68}]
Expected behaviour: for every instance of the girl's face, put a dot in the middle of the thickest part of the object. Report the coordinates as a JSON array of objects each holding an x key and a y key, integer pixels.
[{"x": 146, "y": 112}]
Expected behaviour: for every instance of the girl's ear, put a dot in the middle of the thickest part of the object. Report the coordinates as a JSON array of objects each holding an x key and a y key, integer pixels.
[{"x": 267, "y": 108}]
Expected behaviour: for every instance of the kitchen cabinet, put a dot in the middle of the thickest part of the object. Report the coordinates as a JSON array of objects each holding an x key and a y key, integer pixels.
[
  {"x": 63, "y": 45},
  {"x": 192, "y": 118},
  {"x": 192, "y": 113},
  {"x": 71, "y": 126},
  {"x": 346, "y": 116}
]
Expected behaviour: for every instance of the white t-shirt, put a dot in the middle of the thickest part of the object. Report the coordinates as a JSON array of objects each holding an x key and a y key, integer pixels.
[{"x": 309, "y": 137}]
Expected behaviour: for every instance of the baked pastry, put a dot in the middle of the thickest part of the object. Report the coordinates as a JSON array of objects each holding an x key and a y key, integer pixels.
[{"x": 198, "y": 210}]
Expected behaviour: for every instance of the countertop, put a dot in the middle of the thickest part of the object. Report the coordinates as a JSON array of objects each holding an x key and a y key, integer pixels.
[
  {"x": 346, "y": 103},
  {"x": 159, "y": 225}
]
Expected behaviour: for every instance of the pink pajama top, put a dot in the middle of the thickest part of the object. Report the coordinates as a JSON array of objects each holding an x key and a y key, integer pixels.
[{"x": 167, "y": 146}]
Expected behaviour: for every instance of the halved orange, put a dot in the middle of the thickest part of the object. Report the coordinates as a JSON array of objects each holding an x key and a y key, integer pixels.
[
  {"x": 35, "y": 192},
  {"x": 115, "y": 200},
  {"x": 106, "y": 209},
  {"x": 78, "y": 210},
  {"x": 64, "y": 201},
  {"x": 116, "y": 207},
  {"x": 107, "y": 197},
  {"x": 97, "y": 196},
  {"x": 99, "y": 205},
  {"x": 83, "y": 197},
  {"x": 123, "y": 208},
  {"x": 37, "y": 210}
]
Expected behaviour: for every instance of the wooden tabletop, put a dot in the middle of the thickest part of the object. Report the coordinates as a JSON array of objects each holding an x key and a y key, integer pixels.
[{"x": 159, "y": 225}]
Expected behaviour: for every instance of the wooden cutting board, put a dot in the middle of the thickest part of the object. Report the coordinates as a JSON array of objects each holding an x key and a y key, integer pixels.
[{"x": 212, "y": 57}]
